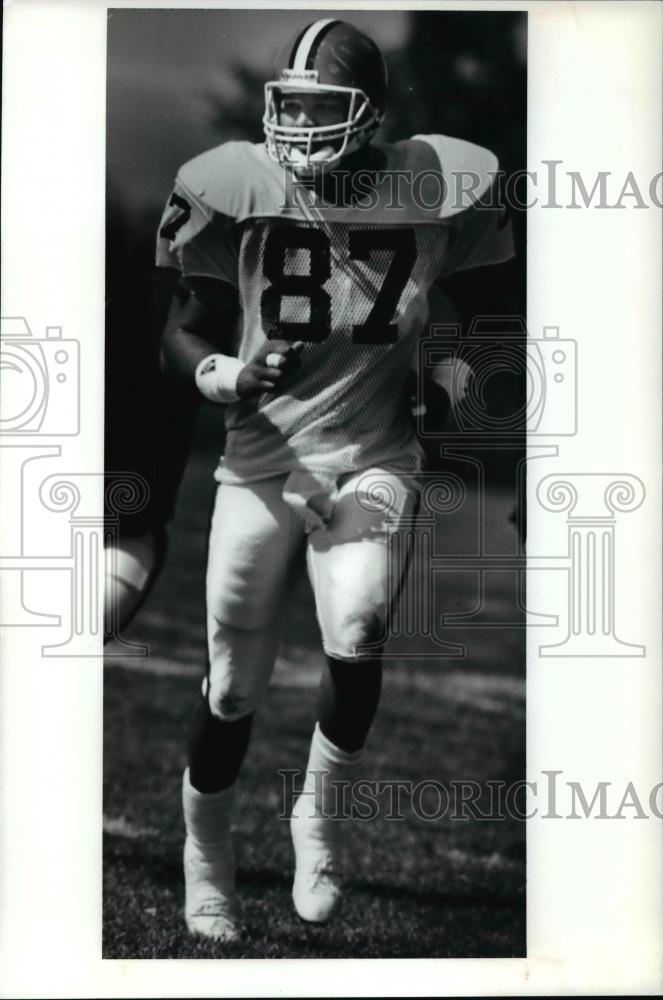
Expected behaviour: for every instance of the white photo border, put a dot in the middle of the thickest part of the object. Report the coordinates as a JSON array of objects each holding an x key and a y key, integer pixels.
[{"x": 595, "y": 914}]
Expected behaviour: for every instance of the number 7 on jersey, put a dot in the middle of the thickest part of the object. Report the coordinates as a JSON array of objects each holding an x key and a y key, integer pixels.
[{"x": 378, "y": 327}]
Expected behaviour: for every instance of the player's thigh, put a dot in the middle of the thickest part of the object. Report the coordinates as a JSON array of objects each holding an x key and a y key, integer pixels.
[
  {"x": 253, "y": 543},
  {"x": 357, "y": 565}
]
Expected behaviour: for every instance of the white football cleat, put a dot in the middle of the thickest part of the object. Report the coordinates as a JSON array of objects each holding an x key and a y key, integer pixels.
[
  {"x": 317, "y": 890},
  {"x": 210, "y": 907}
]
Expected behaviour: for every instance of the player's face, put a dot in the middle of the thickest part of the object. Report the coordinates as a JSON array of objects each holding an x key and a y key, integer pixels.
[{"x": 306, "y": 110}]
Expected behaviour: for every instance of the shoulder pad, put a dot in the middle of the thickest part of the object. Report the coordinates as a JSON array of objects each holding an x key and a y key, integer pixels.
[
  {"x": 236, "y": 179},
  {"x": 468, "y": 170}
]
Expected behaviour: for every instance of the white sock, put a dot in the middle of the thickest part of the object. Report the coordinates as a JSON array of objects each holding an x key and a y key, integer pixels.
[
  {"x": 209, "y": 862},
  {"x": 207, "y": 816},
  {"x": 317, "y": 824},
  {"x": 327, "y": 764}
]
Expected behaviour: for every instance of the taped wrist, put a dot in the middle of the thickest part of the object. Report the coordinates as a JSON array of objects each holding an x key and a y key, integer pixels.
[{"x": 216, "y": 377}]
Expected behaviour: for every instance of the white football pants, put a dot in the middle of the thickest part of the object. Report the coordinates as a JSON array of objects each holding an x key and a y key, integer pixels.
[{"x": 354, "y": 563}]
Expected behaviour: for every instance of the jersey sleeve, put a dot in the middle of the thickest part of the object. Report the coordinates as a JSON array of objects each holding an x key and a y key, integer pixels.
[
  {"x": 482, "y": 235},
  {"x": 472, "y": 209},
  {"x": 195, "y": 239}
]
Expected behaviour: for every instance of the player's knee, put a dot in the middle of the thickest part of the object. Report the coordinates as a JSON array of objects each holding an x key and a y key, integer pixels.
[
  {"x": 227, "y": 702},
  {"x": 353, "y": 635},
  {"x": 241, "y": 661},
  {"x": 239, "y": 611}
]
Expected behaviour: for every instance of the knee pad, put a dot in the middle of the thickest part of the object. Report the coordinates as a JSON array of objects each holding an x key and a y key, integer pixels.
[
  {"x": 241, "y": 664},
  {"x": 355, "y": 635}
]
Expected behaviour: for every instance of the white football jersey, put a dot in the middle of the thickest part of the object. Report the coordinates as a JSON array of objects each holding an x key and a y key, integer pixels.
[{"x": 351, "y": 282}]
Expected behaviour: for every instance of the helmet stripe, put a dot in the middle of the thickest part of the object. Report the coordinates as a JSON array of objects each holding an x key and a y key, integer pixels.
[
  {"x": 305, "y": 42},
  {"x": 315, "y": 45},
  {"x": 293, "y": 51}
]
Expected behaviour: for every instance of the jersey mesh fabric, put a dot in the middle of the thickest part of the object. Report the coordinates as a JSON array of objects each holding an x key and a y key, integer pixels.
[
  {"x": 233, "y": 217},
  {"x": 345, "y": 408}
]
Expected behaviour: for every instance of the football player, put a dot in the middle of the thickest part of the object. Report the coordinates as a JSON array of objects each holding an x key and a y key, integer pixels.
[{"x": 302, "y": 299}]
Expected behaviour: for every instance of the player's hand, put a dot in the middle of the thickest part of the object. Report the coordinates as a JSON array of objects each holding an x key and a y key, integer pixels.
[{"x": 266, "y": 371}]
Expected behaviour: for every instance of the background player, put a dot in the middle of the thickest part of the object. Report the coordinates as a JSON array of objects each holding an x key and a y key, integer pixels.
[{"x": 321, "y": 447}]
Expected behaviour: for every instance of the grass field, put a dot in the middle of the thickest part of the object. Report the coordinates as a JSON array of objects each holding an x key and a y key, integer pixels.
[{"x": 419, "y": 888}]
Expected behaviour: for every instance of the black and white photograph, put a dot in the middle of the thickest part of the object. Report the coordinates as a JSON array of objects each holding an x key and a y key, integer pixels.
[
  {"x": 330, "y": 452},
  {"x": 312, "y": 267}
]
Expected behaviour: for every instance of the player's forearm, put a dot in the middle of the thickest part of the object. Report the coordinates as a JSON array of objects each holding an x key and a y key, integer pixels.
[
  {"x": 182, "y": 351},
  {"x": 201, "y": 322}
]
